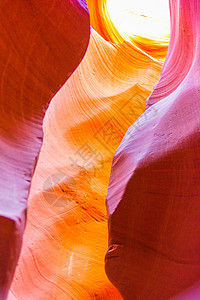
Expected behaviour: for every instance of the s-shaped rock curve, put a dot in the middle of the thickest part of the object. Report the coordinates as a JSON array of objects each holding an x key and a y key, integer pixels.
[{"x": 42, "y": 42}]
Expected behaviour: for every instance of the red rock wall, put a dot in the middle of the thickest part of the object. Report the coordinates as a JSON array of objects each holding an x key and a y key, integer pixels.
[{"x": 42, "y": 42}]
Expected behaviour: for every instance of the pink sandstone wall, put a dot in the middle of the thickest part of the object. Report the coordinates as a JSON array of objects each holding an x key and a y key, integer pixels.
[{"x": 148, "y": 192}]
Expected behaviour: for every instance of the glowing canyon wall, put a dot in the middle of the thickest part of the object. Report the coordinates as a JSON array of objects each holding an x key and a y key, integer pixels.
[{"x": 148, "y": 192}]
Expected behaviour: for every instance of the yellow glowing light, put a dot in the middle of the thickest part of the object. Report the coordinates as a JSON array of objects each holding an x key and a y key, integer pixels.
[{"x": 145, "y": 18}]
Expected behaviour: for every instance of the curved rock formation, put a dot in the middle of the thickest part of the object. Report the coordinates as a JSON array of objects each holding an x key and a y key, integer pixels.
[
  {"x": 66, "y": 235},
  {"x": 153, "y": 194},
  {"x": 42, "y": 42},
  {"x": 102, "y": 22}
]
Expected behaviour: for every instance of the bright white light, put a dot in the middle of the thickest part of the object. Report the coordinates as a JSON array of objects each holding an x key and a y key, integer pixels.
[{"x": 146, "y": 18}]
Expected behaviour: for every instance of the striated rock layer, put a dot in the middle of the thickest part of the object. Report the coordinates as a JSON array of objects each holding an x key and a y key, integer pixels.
[
  {"x": 153, "y": 195},
  {"x": 42, "y": 42},
  {"x": 66, "y": 235}
]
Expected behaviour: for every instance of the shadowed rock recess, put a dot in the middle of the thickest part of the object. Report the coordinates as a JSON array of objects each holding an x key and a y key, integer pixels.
[{"x": 42, "y": 42}]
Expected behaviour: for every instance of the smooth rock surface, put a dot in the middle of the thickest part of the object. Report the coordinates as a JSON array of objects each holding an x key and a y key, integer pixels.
[{"x": 153, "y": 195}]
